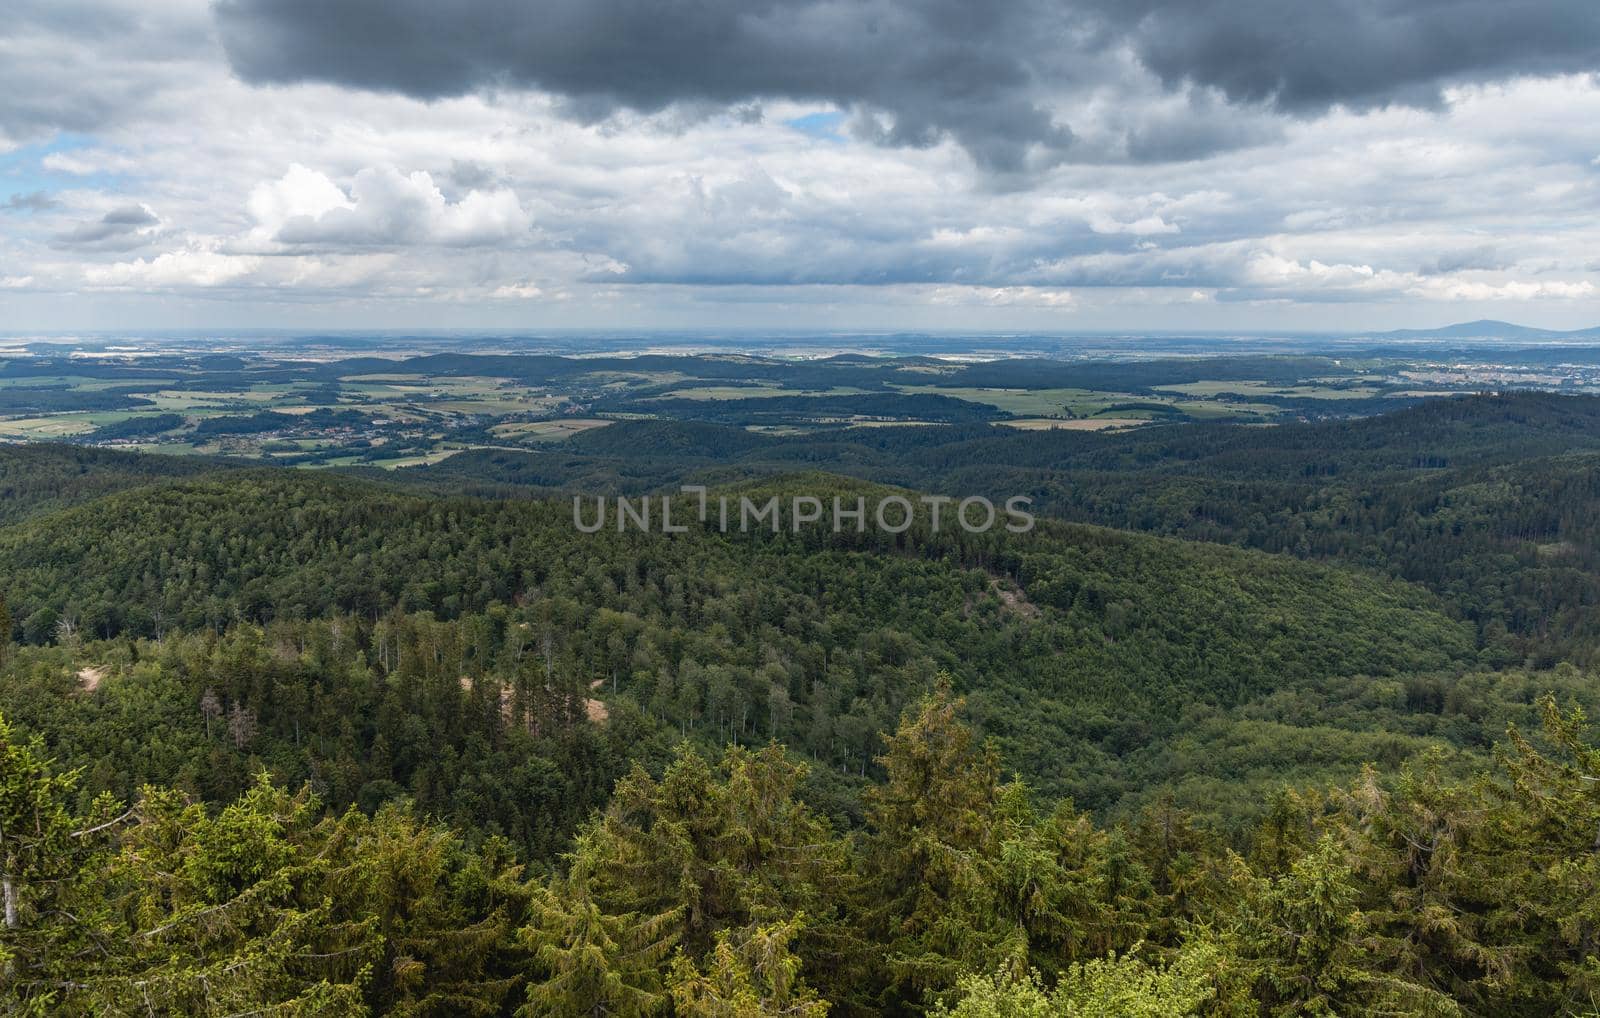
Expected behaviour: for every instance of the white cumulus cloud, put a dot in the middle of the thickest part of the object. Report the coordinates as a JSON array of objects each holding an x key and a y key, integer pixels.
[
  {"x": 173, "y": 269},
  {"x": 383, "y": 207}
]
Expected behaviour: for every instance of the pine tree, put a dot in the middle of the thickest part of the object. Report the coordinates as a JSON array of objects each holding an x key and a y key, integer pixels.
[
  {"x": 1055, "y": 883},
  {"x": 5, "y": 632},
  {"x": 441, "y": 914},
  {"x": 1541, "y": 861},
  {"x": 35, "y": 842},
  {"x": 750, "y": 974},
  {"x": 1416, "y": 849},
  {"x": 1115, "y": 986},
  {"x": 592, "y": 964},
  {"x": 1307, "y": 948},
  {"x": 228, "y": 914},
  {"x": 725, "y": 847},
  {"x": 932, "y": 839}
]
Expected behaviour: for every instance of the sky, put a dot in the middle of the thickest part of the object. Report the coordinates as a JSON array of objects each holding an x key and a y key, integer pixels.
[{"x": 1053, "y": 165}]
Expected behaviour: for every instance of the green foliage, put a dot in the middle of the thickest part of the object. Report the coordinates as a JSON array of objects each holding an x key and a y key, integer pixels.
[
  {"x": 1110, "y": 987},
  {"x": 592, "y": 962},
  {"x": 1125, "y": 987},
  {"x": 35, "y": 479},
  {"x": 290, "y": 744},
  {"x": 269, "y": 905},
  {"x": 1077, "y": 646},
  {"x": 932, "y": 840},
  {"x": 1487, "y": 500},
  {"x": 694, "y": 895},
  {"x": 754, "y": 975},
  {"x": 43, "y": 852},
  {"x": 722, "y": 860}
]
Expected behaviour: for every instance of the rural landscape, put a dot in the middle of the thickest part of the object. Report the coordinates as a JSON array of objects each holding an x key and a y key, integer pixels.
[
  {"x": 307, "y": 404},
  {"x": 313, "y": 647},
  {"x": 799, "y": 509}
]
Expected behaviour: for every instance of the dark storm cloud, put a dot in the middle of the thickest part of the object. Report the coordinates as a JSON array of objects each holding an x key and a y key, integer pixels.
[
  {"x": 120, "y": 229},
  {"x": 995, "y": 76},
  {"x": 944, "y": 67},
  {"x": 33, "y": 201},
  {"x": 1304, "y": 57}
]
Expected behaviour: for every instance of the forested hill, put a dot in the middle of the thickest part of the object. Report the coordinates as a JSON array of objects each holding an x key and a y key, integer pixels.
[
  {"x": 287, "y": 741},
  {"x": 1065, "y": 636},
  {"x": 1491, "y": 501},
  {"x": 37, "y": 478},
  {"x": 1432, "y": 435}
]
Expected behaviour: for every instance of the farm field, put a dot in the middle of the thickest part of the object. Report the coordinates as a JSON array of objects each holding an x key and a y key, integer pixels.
[
  {"x": 421, "y": 410},
  {"x": 1252, "y": 388},
  {"x": 719, "y": 392},
  {"x": 562, "y": 428},
  {"x": 1079, "y": 424}
]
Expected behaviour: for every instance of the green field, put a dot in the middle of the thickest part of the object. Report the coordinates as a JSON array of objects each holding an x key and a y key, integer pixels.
[
  {"x": 1079, "y": 424},
  {"x": 496, "y": 403},
  {"x": 1078, "y": 404},
  {"x": 716, "y": 392},
  {"x": 563, "y": 428},
  {"x": 1266, "y": 389},
  {"x": 1031, "y": 402}
]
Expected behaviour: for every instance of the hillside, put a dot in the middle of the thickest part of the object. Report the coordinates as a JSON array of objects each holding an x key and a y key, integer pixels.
[
  {"x": 1487, "y": 500},
  {"x": 816, "y": 640},
  {"x": 496, "y": 722},
  {"x": 38, "y": 478}
]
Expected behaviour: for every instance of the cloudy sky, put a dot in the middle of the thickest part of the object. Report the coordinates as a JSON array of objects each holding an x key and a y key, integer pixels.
[{"x": 916, "y": 164}]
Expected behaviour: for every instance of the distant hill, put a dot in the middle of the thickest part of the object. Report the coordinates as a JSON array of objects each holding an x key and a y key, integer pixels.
[
  {"x": 1488, "y": 329},
  {"x": 44, "y": 477},
  {"x": 1098, "y": 645}
]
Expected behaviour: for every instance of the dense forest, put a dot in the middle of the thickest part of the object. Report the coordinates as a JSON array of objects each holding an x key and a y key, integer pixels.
[
  {"x": 1257, "y": 721},
  {"x": 715, "y": 889},
  {"x": 1488, "y": 501}
]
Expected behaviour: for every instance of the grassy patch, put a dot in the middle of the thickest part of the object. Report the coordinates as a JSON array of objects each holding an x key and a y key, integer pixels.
[
  {"x": 56, "y": 426},
  {"x": 1255, "y": 388},
  {"x": 1078, "y": 424},
  {"x": 717, "y": 392},
  {"x": 563, "y": 428}
]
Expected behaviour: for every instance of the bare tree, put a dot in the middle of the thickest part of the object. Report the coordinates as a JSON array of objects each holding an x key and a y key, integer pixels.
[
  {"x": 241, "y": 725},
  {"x": 517, "y": 641},
  {"x": 210, "y": 709},
  {"x": 67, "y": 630}
]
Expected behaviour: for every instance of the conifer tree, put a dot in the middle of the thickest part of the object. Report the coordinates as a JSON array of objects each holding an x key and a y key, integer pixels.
[
  {"x": 1542, "y": 849},
  {"x": 5, "y": 632},
  {"x": 42, "y": 848},
  {"x": 1114, "y": 986},
  {"x": 1416, "y": 848},
  {"x": 441, "y": 915},
  {"x": 590, "y": 963},
  {"x": 930, "y": 853},
  {"x": 725, "y": 847},
  {"x": 1307, "y": 948},
  {"x": 750, "y": 974},
  {"x": 1055, "y": 883}
]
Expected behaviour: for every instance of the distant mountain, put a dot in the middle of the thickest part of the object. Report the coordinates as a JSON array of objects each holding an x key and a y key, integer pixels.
[{"x": 1488, "y": 329}]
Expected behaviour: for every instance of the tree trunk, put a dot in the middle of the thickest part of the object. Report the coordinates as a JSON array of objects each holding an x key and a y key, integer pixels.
[{"x": 11, "y": 902}]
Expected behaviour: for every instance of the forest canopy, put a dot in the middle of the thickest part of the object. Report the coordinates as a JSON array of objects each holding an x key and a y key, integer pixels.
[{"x": 1254, "y": 722}]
